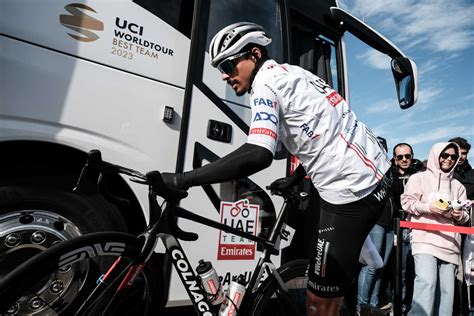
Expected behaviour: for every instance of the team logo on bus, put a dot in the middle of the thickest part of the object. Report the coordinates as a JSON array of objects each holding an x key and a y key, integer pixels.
[
  {"x": 80, "y": 22},
  {"x": 243, "y": 216}
]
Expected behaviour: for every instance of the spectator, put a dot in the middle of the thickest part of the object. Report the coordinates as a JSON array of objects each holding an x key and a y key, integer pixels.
[
  {"x": 425, "y": 163},
  {"x": 436, "y": 254},
  {"x": 404, "y": 165},
  {"x": 382, "y": 238},
  {"x": 463, "y": 173}
]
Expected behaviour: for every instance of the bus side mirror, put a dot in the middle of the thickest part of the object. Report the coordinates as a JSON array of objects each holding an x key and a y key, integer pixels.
[{"x": 406, "y": 81}]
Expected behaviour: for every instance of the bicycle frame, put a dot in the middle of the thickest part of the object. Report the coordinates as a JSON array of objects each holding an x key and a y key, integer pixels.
[
  {"x": 177, "y": 255},
  {"x": 163, "y": 226}
]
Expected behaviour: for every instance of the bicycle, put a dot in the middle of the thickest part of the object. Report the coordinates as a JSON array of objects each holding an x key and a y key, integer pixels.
[{"x": 103, "y": 286}]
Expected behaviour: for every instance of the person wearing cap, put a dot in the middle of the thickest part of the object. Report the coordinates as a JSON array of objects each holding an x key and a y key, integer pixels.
[{"x": 340, "y": 154}]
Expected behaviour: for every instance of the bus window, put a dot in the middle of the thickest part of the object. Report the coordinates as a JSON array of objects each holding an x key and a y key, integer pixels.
[{"x": 313, "y": 51}]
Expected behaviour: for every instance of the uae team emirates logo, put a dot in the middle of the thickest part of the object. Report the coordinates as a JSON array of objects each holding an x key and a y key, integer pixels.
[
  {"x": 243, "y": 216},
  {"x": 81, "y": 23}
]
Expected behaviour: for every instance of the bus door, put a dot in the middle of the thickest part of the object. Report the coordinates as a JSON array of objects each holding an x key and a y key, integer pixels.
[{"x": 216, "y": 122}]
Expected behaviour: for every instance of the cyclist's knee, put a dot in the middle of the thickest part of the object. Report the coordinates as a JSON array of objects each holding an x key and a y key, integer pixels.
[{"x": 318, "y": 306}]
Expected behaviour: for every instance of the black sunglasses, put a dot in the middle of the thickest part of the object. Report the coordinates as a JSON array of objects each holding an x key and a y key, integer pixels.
[
  {"x": 407, "y": 156},
  {"x": 227, "y": 66},
  {"x": 454, "y": 157}
]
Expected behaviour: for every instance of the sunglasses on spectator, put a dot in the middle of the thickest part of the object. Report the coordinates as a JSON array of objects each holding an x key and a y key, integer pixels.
[
  {"x": 454, "y": 157},
  {"x": 228, "y": 65},
  {"x": 407, "y": 156}
]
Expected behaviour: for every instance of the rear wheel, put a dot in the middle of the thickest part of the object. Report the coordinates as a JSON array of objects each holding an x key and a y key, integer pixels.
[
  {"x": 270, "y": 301},
  {"x": 57, "y": 280}
]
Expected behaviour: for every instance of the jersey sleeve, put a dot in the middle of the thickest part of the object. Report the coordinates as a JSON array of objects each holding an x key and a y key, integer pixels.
[{"x": 265, "y": 118}]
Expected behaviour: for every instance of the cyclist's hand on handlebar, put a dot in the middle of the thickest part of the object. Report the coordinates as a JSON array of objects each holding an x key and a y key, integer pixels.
[
  {"x": 284, "y": 188},
  {"x": 161, "y": 188},
  {"x": 281, "y": 184},
  {"x": 284, "y": 183},
  {"x": 288, "y": 182},
  {"x": 176, "y": 180}
]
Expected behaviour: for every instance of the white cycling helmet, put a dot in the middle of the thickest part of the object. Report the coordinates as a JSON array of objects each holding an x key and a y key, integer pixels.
[{"x": 231, "y": 39}]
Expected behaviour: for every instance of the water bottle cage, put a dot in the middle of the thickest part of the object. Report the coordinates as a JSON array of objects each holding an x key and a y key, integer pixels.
[
  {"x": 212, "y": 297},
  {"x": 235, "y": 306}
]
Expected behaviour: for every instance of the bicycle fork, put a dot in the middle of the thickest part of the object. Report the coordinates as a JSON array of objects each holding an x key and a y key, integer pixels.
[{"x": 105, "y": 288}]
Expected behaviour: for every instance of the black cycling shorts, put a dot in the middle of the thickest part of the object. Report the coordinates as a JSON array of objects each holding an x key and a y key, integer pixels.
[{"x": 337, "y": 242}]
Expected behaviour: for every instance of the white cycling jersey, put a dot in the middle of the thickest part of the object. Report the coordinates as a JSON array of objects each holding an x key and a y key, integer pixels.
[{"x": 339, "y": 153}]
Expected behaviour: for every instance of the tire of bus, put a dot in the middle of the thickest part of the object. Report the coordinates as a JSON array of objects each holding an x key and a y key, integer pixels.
[
  {"x": 267, "y": 301},
  {"x": 38, "y": 286}
]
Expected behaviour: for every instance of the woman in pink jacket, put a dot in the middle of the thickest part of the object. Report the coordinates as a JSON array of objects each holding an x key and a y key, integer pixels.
[{"x": 436, "y": 254}]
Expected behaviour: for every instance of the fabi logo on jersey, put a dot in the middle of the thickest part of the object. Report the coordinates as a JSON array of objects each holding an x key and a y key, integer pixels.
[
  {"x": 267, "y": 102},
  {"x": 308, "y": 131},
  {"x": 243, "y": 216},
  {"x": 81, "y": 23},
  {"x": 264, "y": 116}
]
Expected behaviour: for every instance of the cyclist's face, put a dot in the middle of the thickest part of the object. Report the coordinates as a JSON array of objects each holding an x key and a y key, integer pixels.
[{"x": 239, "y": 79}]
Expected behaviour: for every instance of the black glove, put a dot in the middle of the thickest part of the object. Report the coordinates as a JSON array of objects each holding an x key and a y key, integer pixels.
[
  {"x": 288, "y": 182},
  {"x": 177, "y": 180},
  {"x": 283, "y": 184}
]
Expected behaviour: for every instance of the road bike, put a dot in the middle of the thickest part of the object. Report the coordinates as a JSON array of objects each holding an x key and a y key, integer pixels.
[{"x": 97, "y": 273}]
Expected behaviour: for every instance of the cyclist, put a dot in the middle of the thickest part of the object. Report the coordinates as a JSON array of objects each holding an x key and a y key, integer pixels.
[{"x": 340, "y": 154}]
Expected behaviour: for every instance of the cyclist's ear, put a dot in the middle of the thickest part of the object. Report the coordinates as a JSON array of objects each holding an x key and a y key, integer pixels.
[{"x": 256, "y": 53}]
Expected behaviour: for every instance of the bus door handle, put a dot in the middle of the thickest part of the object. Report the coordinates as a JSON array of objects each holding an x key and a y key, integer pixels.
[{"x": 219, "y": 131}]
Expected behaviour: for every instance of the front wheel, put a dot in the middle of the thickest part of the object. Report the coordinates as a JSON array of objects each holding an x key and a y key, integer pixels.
[
  {"x": 56, "y": 281},
  {"x": 270, "y": 301}
]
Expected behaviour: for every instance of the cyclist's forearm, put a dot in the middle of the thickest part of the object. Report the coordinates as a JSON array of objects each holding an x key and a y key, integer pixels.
[{"x": 244, "y": 161}]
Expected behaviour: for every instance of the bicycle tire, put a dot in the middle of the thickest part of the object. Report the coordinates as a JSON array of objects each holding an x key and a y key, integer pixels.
[
  {"x": 32, "y": 280},
  {"x": 267, "y": 301}
]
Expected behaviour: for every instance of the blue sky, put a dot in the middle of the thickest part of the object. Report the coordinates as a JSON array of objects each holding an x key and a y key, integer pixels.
[{"x": 439, "y": 36}]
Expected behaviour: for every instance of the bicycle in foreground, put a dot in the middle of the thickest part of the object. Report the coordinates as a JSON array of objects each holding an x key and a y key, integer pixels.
[{"x": 94, "y": 274}]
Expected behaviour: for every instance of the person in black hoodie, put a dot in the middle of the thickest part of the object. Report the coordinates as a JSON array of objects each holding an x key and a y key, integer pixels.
[
  {"x": 464, "y": 174},
  {"x": 403, "y": 166}
]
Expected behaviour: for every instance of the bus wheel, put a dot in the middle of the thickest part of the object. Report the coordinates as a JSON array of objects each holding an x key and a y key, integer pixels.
[{"x": 33, "y": 219}]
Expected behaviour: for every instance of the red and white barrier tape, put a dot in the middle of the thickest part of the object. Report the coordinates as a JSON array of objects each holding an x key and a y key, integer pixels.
[{"x": 438, "y": 227}]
